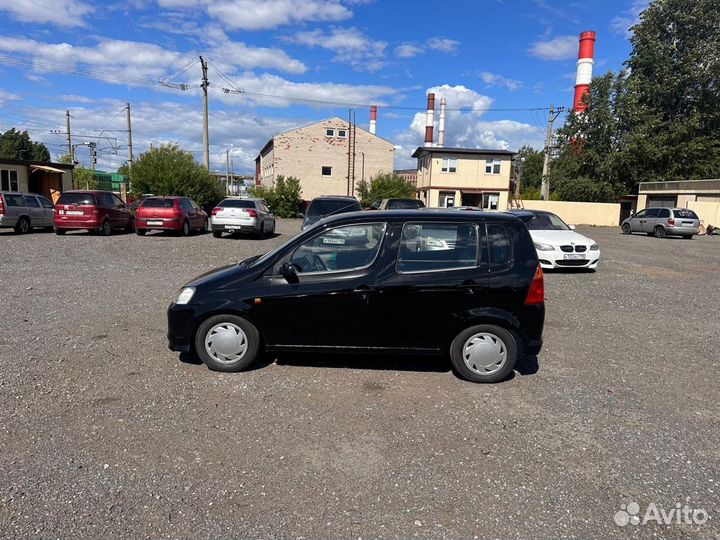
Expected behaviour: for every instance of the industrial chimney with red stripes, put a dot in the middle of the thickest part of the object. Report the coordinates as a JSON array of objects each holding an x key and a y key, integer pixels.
[{"x": 584, "y": 70}]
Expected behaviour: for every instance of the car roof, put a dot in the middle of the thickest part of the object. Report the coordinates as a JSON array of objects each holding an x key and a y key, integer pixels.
[
  {"x": 425, "y": 214},
  {"x": 338, "y": 197},
  {"x": 240, "y": 198},
  {"x": 663, "y": 208},
  {"x": 93, "y": 191}
]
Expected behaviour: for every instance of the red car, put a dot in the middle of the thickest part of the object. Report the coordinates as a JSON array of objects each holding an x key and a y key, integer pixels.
[
  {"x": 97, "y": 211},
  {"x": 178, "y": 214}
]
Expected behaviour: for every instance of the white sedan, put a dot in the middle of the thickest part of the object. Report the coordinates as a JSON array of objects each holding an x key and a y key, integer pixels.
[{"x": 557, "y": 244}]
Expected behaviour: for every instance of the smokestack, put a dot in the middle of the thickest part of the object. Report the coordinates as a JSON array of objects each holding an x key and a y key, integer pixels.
[
  {"x": 429, "y": 120},
  {"x": 373, "y": 119},
  {"x": 441, "y": 124},
  {"x": 585, "y": 61}
]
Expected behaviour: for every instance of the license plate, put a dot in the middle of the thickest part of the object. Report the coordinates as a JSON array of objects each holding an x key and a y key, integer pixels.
[
  {"x": 688, "y": 223},
  {"x": 338, "y": 241},
  {"x": 228, "y": 228},
  {"x": 154, "y": 222},
  {"x": 74, "y": 212},
  {"x": 574, "y": 257}
]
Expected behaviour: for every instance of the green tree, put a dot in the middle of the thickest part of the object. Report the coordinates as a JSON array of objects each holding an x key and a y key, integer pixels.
[
  {"x": 82, "y": 178},
  {"x": 168, "y": 170},
  {"x": 15, "y": 144},
  {"x": 530, "y": 162},
  {"x": 285, "y": 197},
  {"x": 384, "y": 186}
]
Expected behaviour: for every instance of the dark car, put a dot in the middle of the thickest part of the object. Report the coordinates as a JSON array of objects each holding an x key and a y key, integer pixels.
[
  {"x": 180, "y": 215},
  {"x": 97, "y": 211},
  {"x": 329, "y": 205},
  {"x": 397, "y": 204},
  {"x": 413, "y": 282}
]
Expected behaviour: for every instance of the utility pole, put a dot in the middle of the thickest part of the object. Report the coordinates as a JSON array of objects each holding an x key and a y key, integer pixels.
[
  {"x": 71, "y": 152},
  {"x": 227, "y": 172},
  {"x": 204, "y": 85},
  {"x": 545, "y": 185},
  {"x": 129, "y": 130}
]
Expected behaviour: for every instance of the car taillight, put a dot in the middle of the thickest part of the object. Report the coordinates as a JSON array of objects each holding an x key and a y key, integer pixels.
[
  {"x": 536, "y": 294},
  {"x": 671, "y": 221},
  {"x": 215, "y": 211},
  {"x": 251, "y": 212},
  {"x": 2, "y": 207}
]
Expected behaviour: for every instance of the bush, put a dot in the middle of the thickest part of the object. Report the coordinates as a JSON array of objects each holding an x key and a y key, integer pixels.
[
  {"x": 285, "y": 197},
  {"x": 384, "y": 186},
  {"x": 168, "y": 170}
]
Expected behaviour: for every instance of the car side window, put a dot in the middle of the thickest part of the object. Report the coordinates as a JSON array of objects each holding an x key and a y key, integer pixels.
[
  {"x": 46, "y": 203},
  {"x": 500, "y": 247},
  {"x": 664, "y": 213},
  {"x": 350, "y": 247},
  {"x": 432, "y": 247},
  {"x": 652, "y": 212},
  {"x": 194, "y": 205},
  {"x": 31, "y": 201},
  {"x": 116, "y": 201}
]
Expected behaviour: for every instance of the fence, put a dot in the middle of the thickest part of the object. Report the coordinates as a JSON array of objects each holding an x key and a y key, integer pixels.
[{"x": 580, "y": 213}]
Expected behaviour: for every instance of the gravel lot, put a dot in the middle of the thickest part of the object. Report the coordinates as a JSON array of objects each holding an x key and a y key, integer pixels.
[{"x": 105, "y": 433}]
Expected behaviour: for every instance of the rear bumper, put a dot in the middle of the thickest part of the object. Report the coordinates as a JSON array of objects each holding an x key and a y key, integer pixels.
[
  {"x": 164, "y": 224},
  {"x": 77, "y": 224},
  {"x": 233, "y": 225},
  {"x": 7, "y": 221},
  {"x": 681, "y": 231}
]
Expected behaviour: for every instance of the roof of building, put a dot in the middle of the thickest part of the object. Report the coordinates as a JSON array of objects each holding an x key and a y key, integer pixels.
[
  {"x": 421, "y": 150},
  {"x": 269, "y": 144},
  {"x": 30, "y": 163}
]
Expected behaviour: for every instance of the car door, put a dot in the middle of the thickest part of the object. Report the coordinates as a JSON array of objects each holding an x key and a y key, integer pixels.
[
  {"x": 267, "y": 215},
  {"x": 34, "y": 210},
  {"x": 437, "y": 273},
  {"x": 335, "y": 300},
  {"x": 637, "y": 220},
  {"x": 199, "y": 214},
  {"x": 48, "y": 211},
  {"x": 650, "y": 219},
  {"x": 121, "y": 212}
]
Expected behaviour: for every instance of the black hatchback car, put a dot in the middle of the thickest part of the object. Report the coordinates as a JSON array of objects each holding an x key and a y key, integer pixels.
[{"x": 413, "y": 282}]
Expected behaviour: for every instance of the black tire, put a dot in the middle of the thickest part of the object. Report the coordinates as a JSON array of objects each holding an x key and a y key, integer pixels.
[
  {"x": 660, "y": 232},
  {"x": 272, "y": 231},
  {"x": 261, "y": 234},
  {"x": 60, "y": 232},
  {"x": 217, "y": 234},
  {"x": 140, "y": 232},
  {"x": 508, "y": 343},
  {"x": 252, "y": 339},
  {"x": 22, "y": 226},
  {"x": 626, "y": 229},
  {"x": 105, "y": 229},
  {"x": 185, "y": 231},
  {"x": 130, "y": 226}
]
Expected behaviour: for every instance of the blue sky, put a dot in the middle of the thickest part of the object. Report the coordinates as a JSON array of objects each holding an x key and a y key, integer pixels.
[{"x": 484, "y": 56}]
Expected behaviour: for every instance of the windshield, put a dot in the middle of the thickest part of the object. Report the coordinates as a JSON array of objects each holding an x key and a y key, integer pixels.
[
  {"x": 77, "y": 198},
  {"x": 324, "y": 207},
  {"x": 546, "y": 222},
  {"x": 158, "y": 203},
  {"x": 236, "y": 203}
]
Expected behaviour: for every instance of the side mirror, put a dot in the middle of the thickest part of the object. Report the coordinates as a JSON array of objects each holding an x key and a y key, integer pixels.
[
  {"x": 572, "y": 227},
  {"x": 300, "y": 215},
  {"x": 289, "y": 272}
]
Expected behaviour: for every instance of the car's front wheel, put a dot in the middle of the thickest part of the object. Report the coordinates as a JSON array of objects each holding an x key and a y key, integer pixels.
[
  {"x": 626, "y": 228},
  {"x": 227, "y": 343},
  {"x": 485, "y": 353}
]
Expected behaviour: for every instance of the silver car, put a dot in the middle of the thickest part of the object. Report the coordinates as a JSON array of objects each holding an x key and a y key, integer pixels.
[
  {"x": 242, "y": 215},
  {"x": 25, "y": 211},
  {"x": 662, "y": 222}
]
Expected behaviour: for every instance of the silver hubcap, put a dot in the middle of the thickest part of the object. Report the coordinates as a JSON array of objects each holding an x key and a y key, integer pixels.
[
  {"x": 226, "y": 343},
  {"x": 24, "y": 226},
  {"x": 484, "y": 353}
]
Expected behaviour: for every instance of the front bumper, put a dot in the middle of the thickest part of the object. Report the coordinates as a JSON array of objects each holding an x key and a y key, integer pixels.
[
  {"x": 550, "y": 260},
  {"x": 181, "y": 327}
]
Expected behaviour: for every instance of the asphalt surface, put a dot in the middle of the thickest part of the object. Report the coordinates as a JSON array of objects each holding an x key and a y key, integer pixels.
[{"x": 105, "y": 433}]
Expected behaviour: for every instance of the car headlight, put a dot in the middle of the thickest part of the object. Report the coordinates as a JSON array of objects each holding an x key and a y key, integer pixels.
[
  {"x": 185, "y": 296},
  {"x": 594, "y": 247},
  {"x": 543, "y": 247}
]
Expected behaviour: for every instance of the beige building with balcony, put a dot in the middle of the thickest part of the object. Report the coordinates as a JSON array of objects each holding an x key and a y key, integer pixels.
[
  {"x": 463, "y": 177},
  {"x": 317, "y": 155}
]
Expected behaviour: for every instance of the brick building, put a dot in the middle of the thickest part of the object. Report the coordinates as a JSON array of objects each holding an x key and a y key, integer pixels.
[{"x": 317, "y": 155}]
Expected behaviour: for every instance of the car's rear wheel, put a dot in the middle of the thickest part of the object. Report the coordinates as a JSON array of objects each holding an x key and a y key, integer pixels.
[
  {"x": 261, "y": 234},
  {"x": 660, "y": 232},
  {"x": 227, "y": 343},
  {"x": 140, "y": 232},
  {"x": 626, "y": 228},
  {"x": 22, "y": 226},
  {"x": 217, "y": 234},
  {"x": 105, "y": 228},
  {"x": 485, "y": 353}
]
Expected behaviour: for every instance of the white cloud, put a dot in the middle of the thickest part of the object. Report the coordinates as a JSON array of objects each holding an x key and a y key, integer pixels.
[
  {"x": 350, "y": 46},
  {"x": 60, "y": 12},
  {"x": 264, "y": 14},
  {"x": 559, "y": 48},
  {"x": 408, "y": 50},
  {"x": 443, "y": 44},
  {"x": 622, "y": 23},
  {"x": 493, "y": 79},
  {"x": 465, "y": 128},
  {"x": 7, "y": 96}
]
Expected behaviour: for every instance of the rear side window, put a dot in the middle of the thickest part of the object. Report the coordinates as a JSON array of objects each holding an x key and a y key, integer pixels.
[
  {"x": 14, "y": 200},
  {"x": 77, "y": 198},
  {"x": 236, "y": 203},
  {"x": 500, "y": 247},
  {"x": 431, "y": 247},
  {"x": 45, "y": 202},
  {"x": 156, "y": 202},
  {"x": 685, "y": 214},
  {"x": 32, "y": 201}
]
